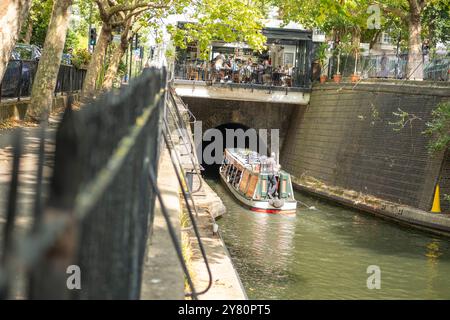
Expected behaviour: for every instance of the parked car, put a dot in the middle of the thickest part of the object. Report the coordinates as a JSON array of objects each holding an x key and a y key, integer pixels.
[
  {"x": 26, "y": 52},
  {"x": 20, "y": 70}
]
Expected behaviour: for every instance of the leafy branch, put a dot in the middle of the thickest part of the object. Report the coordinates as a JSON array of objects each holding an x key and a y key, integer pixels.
[
  {"x": 404, "y": 118},
  {"x": 439, "y": 128}
]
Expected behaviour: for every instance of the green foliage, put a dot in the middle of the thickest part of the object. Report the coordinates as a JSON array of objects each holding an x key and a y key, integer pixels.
[
  {"x": 321, "y": 53},
  {"x": 439, "y": 128},
  {"x": 81, "y": 57},
  {"x": 350, "y": 17},
  {"x": 122, "y": 70},
  {"x": 447, "y": 197},
  {"x": 404, "y": 118},
  {"x": 170, "y": 54},
  {"x": 327, "y": 15},
  {"x": 40, "y": 13},
  {"x": 77, "y": 35},
  {"x": 226, "y": 20},
  {"x": 436, "y": 21}
]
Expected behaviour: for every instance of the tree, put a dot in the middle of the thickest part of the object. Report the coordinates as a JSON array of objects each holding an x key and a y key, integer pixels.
[
  {"x": 336, "y": 15},
  {"x": 12, "y": 15},
  {"x": 439, "y": 128},
  {"x": 414, "y": 67},
  {"x": 226, "y": 20},
  {"x": 342, "y": 18},
  {"x": 131, "y": 24},
  {"x": 113, "y": 14},
  {"x": 118, "y": 53},
  {"x": 436, "y": 21},
  {"x": 410, "y": 12},
  {"x": 35, "y": 28},
  {"x": 47, "y": 72}
]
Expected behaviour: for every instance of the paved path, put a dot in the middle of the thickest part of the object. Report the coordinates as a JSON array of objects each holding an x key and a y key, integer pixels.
[
  {"x": 162, "y": 276},
  {"x": 28, "y": 179},
  {"x": 28, "y": 167}
]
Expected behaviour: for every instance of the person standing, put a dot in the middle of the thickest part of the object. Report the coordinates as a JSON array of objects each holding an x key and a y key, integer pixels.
[{"x": 272, "y": 169}]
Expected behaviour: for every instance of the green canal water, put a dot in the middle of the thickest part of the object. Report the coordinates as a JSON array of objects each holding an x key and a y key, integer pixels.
[{"x": 324, "y": 254}]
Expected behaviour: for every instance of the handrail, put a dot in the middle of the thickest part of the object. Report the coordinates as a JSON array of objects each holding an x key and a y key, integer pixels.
[
  {"x": 183, "y": 131},
  {"x": 181, "y": 177},
  {"x": 173, "y": 236}
]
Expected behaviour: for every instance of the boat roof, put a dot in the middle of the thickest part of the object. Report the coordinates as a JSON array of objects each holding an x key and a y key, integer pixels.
[
  {"x": 244, "y": 156},
  {"x": 248, "y": 158}
]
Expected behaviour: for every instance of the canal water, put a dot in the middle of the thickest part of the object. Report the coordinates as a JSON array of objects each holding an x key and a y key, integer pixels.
[{"x": 325, "y": 253}]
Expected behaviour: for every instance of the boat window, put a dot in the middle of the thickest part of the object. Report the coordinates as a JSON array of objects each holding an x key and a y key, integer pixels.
[{"x": 237, "y": 178}]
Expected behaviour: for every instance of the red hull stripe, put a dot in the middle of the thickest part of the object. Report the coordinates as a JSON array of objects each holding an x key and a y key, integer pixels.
[{"x": 273, "y": 211}]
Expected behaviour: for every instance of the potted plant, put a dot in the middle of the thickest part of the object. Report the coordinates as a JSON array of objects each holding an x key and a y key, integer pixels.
[
  {"x": 338, "y": 77},
  {"x": 355, "y": 77},
  {"x": 322, "y": 57}
]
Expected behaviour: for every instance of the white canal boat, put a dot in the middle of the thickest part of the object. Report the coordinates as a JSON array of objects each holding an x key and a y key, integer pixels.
[{"x": 249, "y": 178}]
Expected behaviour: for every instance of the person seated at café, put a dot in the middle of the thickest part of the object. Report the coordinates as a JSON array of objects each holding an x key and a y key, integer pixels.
[
  {"x": 260, "y": 72},
  {"x": 218, "y": 64},
  {"x": 247, "y": 71},
  {"x": 235, "y": 70},
  {"x": 219, "y": 60},
  {"x": 226, "y": 70},
  {"x": 267, "y": 75}
]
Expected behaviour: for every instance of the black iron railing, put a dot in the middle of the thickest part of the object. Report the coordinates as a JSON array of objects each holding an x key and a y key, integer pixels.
[
  {"x": 19, "y": 76},
  {"x": 100, "y": 201},
  {"x": 247, "y": 76}
]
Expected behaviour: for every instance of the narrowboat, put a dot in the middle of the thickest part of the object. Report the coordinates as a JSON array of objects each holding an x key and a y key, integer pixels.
[{"x": 250, "y": 179}]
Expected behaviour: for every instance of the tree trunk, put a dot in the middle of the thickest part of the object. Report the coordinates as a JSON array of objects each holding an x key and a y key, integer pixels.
[
  {"x": 12, "y": 15},
  {"x": 113, "y": 67},
  {"x": 45, "y": 81},
  {"x": 356, "y": 41},
  {"x": 96, "y": 62},
  {"x": 356, "y": 37},
  {"x": 414, "y": 68}
]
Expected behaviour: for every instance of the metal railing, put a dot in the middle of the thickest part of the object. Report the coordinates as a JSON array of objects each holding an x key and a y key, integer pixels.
[
  {"x": 19, "y": 76},
  {"x": 390, "y": 66},
  {"x": 100, "y": 199},
  {"x": 245, "y": 76}
]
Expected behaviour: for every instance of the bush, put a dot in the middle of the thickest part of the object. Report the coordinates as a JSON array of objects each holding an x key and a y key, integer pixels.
[
  {"x": 439, "y": 128},
  {"x": 81, "y": 58}
]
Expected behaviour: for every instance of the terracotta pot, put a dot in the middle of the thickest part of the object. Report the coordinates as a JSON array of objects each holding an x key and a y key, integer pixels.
[
  {"x": 355, "y": 78},
  {"x": 323, "y": 78},
  {"x": 337, "y": 78}
]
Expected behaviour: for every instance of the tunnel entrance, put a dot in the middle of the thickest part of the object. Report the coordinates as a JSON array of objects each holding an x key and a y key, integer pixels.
[{"x": 211, "y": 171}]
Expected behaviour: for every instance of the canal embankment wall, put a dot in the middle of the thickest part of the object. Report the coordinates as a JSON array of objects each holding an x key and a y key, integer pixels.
[
  {"x": 365, "y": 142},
  {"x": 13, "y": 109}
]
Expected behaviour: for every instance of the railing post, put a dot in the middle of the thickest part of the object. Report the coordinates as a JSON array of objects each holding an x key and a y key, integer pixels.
[
  {"x": 71, "y": 78},
  {"x": 63, "y": 75},
  {"x": 19, "y": 91}
]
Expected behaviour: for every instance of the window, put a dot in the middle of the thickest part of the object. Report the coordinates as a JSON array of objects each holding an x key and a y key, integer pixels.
[
  {"x": 318, "y": 32},
  {"x": 386, "y": 38},
  {"x": 289, "y": 58}
]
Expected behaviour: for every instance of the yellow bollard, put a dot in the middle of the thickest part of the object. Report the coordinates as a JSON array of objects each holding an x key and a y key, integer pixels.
[{"x": 436, "y": 201}]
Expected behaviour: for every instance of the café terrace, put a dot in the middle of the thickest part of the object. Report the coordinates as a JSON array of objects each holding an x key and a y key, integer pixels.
[{"x": 286, "y": 61}]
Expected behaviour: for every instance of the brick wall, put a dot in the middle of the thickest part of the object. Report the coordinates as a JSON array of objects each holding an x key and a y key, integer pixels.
[
  {"x": 251, "y": 114},
  {"x": 346, "y": 138}
]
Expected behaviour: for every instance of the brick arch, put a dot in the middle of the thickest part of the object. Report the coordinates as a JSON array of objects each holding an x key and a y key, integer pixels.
[{"x": 257, "y": 115}]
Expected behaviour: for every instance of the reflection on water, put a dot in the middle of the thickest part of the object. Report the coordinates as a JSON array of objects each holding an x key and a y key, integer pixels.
[{"x": 324, "y": 254}]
